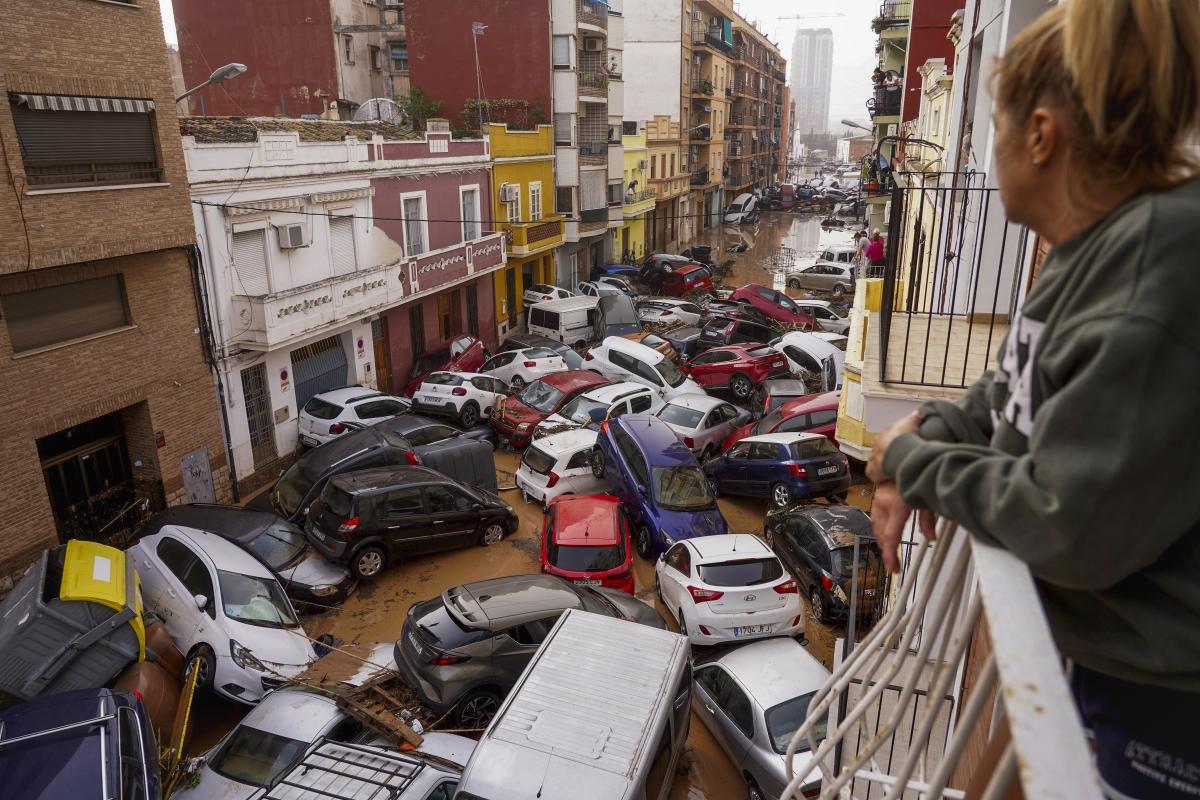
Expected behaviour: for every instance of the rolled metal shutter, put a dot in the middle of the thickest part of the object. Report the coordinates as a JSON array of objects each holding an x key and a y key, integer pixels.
[
  {"x": 84, "y": 137},
  {"x": 318, "y": 367},
  {"x": 250, "y": 263},
  {"x": 341, "y": 236}
]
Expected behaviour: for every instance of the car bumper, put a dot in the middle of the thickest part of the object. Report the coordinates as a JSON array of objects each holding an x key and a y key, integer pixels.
[
  {"x": 306, "y": 594},
  {"x": 446, "y": 409},
  {"x": 516, "y": 438},
  {"x": 787, "y": 621},
  {"x": 314, "y": 440},
  {"x": 532, "y": 492},
  {"x": 425, "y": 690},
  {"x": 333, "y": 549},
  {"x": 819, "y": 488},
  {"x": 246, "y": 684}
]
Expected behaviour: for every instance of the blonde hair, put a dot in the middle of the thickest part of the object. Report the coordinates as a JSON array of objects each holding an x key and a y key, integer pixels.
[{"x": 1127, "y": 75}]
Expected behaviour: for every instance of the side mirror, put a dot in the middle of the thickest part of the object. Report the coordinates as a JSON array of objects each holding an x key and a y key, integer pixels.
[
  {"x": 641, "y": 490},
  {"x": 201, "y": 601}
]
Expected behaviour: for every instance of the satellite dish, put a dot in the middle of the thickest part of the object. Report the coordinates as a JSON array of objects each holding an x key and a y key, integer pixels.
[{"x": 381, "y": 108}]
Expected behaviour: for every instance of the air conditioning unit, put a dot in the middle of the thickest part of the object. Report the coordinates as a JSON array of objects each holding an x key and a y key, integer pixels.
[
  {"x": 291, "y": 236},
  {"x": 509, "y": 192},
  {"x": 593, "y": 45},
  {"x": 642, "y": 164}
]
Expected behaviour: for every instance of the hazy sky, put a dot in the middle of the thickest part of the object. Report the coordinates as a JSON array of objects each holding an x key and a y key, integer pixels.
[{"x": 853, "y": 41}]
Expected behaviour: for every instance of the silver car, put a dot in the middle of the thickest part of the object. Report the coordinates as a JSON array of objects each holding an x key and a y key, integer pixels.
[
  {"x": 825, "y": 277},
  {"x": 702, "y": 422},
  {"x": 754, "y": 699},
  {"x": 464, "y": 650}
]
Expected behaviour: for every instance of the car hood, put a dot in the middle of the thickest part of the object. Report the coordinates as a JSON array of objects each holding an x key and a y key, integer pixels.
[
  {"x": 688, "y": 386},
  {"x": 214, "y": 786},
  {"x": 516, "y": 412},
  {"x": 314, "y": 570},
  {"x": 285, "y": 651},
  {"x": 689, "y": 524},
  {"x": 632, "y": 608}
]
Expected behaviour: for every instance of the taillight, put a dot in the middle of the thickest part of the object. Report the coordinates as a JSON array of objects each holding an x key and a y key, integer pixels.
[
  {"x": 810, "y": 791},
  {"x": 827, "y": 583},
  {"x": 689, "y": 442},
  {"x": 587, "y": 357},
  {"x": 447, "y": 659},
  {"x": 547, "y": 297},
  {"x": 347, "y": 526},
  {"x": 705, "y": 631},
  {"x": 787, "y": 587},
  {"x": 459, "y": 392},
  {"x": 529, "y": 364},
  {"x": 412, "y": 457},
  {"x": 553, "y": 480},
  {"x": 665, "y": 314},
  {"x": 796, "y": 621},
  {"x": 798, "y": 470},
  {"x": 337, "y": 427},
  {"x": 704, "y": 595}
]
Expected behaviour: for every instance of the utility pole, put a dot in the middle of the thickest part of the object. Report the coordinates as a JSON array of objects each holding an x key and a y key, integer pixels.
[{"x": 477, "y": 29}]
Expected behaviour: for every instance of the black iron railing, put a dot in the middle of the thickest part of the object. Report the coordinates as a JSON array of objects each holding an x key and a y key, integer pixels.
[
  {"x": 886, "y": 102},
  {"x": 955, "y": 268}
]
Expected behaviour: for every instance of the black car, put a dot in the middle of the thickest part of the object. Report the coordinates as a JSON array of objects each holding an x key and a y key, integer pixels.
[
  {"x": 816, "y": 545},
  {"x": 407, "y": 439},
  {"x": 280, "y": 545},
  {"x": 720, "y": 331},
  {"x": 522, "y": 341},
  {"x": 371, "y": 518}
]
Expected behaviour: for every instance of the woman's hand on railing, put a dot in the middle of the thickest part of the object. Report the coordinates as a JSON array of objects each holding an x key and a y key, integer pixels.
[{"x": 889, "y": 512}]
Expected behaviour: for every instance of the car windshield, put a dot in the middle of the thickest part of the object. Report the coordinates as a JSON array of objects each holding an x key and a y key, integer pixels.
[
  {"x": 681, "y": 488},
  {"x": 256, "y": 757},
  {"x": 537, "y": 460},
  {"x": 813, "y": 448},
  {"x": 278, "y": 545},
  {"x": 786, "y": 718},
  {"x": 843, "y": 559},
  {"x": 255, "y": 601},
  {"x": 680, "y": 415},
  {"x": 837, "y": 312},
  {"x": 580, "y": 409},
  {"x": 669, "y": 372},
  {"x": 585, "y": 558},
  {"x": 292, "y": 487},
  {"x": 321, "y": 409},
  {"x": 541, "y": 396},
  {"x": 741, "y": 572},
  {"x": 768, "y": 423}
]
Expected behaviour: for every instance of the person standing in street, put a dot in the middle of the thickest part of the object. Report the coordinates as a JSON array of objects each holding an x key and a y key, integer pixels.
[{"x": 1075, "y": 451}]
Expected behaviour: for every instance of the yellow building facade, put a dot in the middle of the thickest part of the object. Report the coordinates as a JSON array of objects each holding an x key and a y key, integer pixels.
[
  {"x": 629, "y": 240},
  {"x": 523, "y": 209}
]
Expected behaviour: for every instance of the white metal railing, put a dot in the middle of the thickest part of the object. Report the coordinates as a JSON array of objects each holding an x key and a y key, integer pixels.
[{"x": 899, "y": 728}]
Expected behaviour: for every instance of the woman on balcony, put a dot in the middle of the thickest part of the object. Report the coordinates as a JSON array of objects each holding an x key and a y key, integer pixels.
[{"x": 1076, "y": 453}]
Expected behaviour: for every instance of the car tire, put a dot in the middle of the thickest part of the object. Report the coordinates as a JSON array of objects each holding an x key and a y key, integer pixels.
[
  {"x": 706, "y": 453},
  {"x": 781, "y": 496},
  {"x": 579, "y": 345},
  {"x": 469, "y": 416},
  {"x": 476, "y": 709},
  {"x": 817, "y": 606},
  {"x": 642, "y": 542},
  {"x": 598, "y": 465},
  {"x": 752, "y": 790},
  {"x": 202, "y": 658},
  {"x": 516, "y": 384},
  {"x": 741, "y": 386},
  {"x": 794, "y": 283},
  {"x": 493, "y": 533},
  {"x": 839, "y": 290},
  {"x": 368, "y": 562}
]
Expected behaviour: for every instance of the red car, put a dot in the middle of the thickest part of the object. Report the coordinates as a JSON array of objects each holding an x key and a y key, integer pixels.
[
  {"x": 685, "y": 280},
  {"x": 586, "y": 540},
  {"x": 816, "y": 413},
  {"x": 460, "y": 354},
  {"x": 738, "y": 367},
  {"x": 514, "y": 418},
  {"x": 774, "y": 305}
]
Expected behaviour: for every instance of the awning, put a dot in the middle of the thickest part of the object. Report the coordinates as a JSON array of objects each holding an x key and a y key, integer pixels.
[{"x": 61, "y": 102}]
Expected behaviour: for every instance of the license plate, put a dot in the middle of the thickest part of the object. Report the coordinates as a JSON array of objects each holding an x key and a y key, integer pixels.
[
  {"x": 431, "y": 398},
  {"x": 412, "y": 639},
  {"x": 827, "y": 470},
  {"x": 587, "y": 582},
  {"x": 751, "y": 630}
]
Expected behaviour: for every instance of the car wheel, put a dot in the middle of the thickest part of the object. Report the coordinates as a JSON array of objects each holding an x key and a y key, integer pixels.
[
  {"x": 476, "y": 710},
  {"x": 368, "y": 562},
  {"x": 492, "y": 534},
  {"x": 469, "y": 415},
  {"x": 205, "y": 663},
  {"x": 706, "y": 453},
  {"x": 741, "y": 386},
  {"x": 642, "y": 543},
  {"x": 516, "y": 384},
  {"x": 817, "y": 605},
  {"x": 752, "y": 790},
  {"x": 839, "y": 290},
  {"x": 781, "y": 496},
  {"x": 794, "y": 283},
  {"x": 597, "y": 463}
]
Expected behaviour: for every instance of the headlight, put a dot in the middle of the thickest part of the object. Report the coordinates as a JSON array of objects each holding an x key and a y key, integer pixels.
[
  {"x": 243, "y": 657},
  {"x": 324, "y": 591},
  {"x": 668, "y": 538},
  {"x": 524, "y": 426}
]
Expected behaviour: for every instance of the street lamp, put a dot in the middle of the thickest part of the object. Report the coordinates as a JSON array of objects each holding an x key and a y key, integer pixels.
[
  {"x": 850, "y": 124},
  {"x": 220, "y": 75}
]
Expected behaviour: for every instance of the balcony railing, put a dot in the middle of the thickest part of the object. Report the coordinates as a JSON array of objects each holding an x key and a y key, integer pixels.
[
  {"x": 93, "y": 174},
  {"x": 633, "y": 198},
  {"x": 699, "y": 177},
  {"x": 525, "y": 237},
  {"x": 702, "y": 86},
  {"x": 595, "y": 152},
  {"x": 895, "y": 12},
  {"x": 594, "y": 214},
  {"x": 590, "y": 13},
  {"x": 899, "y": 724},
  {"x": 593, "y": 83},
  {"x": 885, "y": 103}
]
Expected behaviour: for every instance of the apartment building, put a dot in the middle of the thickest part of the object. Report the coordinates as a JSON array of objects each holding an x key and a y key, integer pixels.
[
  {"x": 757, "y": 124},
  {"x": 707, "y": 89},
  {"x": 671, "y": 215},
  {"x": 639, "y": 200},
  {"x": 110, "y": 401},
  {"x": 812, "y": 78},
  {"x": 305, "y": 57}
]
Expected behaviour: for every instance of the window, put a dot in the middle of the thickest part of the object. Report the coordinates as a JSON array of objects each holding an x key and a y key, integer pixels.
[
  {"x": 639, "y": 404},
  {"x": 679, "y": 558},
  {"x": 348, "y": 48},
  {"x": 443, "y": 791},
  {"x": 562, "y": 52},
  {"x": 473, "y": 310},
  {"x": 672, "y": 164},
  {"x": 469, "y": 200},
  {"x": 379, "y": 408},
  {"x": 431, "y": 434},
  {"x": 535, "y": 201},
  {"x": 133, "y": 771},
  {"x": 562, "y": 130},
  {"x": 654, "y": 168},
  {"x": 564, "y": 200},
  {"x": 403, "y": 501},
  {"x": 248, "y": 255},
  {"x": 416, "y": 228},
  {"x": 512, "y": 208},
  {"x": 376, "y": 57},
  {"x": 825, "y": 417},
  {"x": 256, "y": 757},
  {"x": 85, "y": 141},
  {"x": 616, "y": 194},
  {"x": 764, "y": 451},
  {"x": 398, "y": 52},
  {"x": 341, "y": 243},
  {"x": 59, "y": 314},
  {"x": 532, "y": 633},
  {"x": 444, "y": 500},
  {"x": 739, "y": 452}
]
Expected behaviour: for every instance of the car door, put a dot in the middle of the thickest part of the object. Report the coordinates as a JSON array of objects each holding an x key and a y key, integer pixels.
[
  {"x": 500, "y": 366},
  {"x": 725, "y": 707},
  {"x": 761, "y": 460},
  {"x": 731, "y": 477},
  {"x": 513, "y": 648},
  {"x": 466, "y": 354},
  {"x": 454, "y": 517},
  {"x": 484, "y": 391},
  {"x": 187, "y": 575},
  {"x": 718, "y": 425},
  {"x": 674, "y": 576},
  {"x": 404, "y": 520},
  {"x": 807, "y": 547}
]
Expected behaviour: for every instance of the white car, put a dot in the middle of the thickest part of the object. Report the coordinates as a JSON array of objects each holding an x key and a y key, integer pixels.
[
  {"x": 558, "y": 464},
  {"x": 830, "y": 317},
  {"x": 268, "y": 740},
  {"x": 810, "y": 352},
  {"x": 541, "y": 292},
  {"x": 617, "y": 283},
  {"x": 517, "y": 368},
  {"x": 597, "y": 289},
  {"x": 328, "y": 415},
  {"x": 466, "y": 396},
  {"x": 669, "y": 309},
  {"x": 596, "y": 405},
  {"x": 702, "y": 422},
  {"x": 224, "y": 609},
  {"x": 622, "y": 360},
  {"x": 729, "y": 587}
]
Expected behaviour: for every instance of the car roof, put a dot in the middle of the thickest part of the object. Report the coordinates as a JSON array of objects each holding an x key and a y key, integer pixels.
[
  {"x": 812, "y": 402},
  {"x": 756, "y": 286},
  {"x": 610, "y": 393},
  {"x": 784, "y": 438},
  {"x": 689, "y": 268},
  {"x": 658, "y": 442},
  {"x": 558, "y": 444},
  {"x": 697, "y": 402},
  {"x": 405, "y": 424},
  {"x": 807, "y": 341},
  {"x": 838, "y": 523},
  {"x": 573, "y": 379},
  {"x": 586, "y": 520},
  {"x": 367, "y": 481},
  {"x": 785, "y": 386},
  {"x": 567, "y": 303},
  {"x": 223, "y": 553},
  {"x": 721, "y": 546},
  {"x": 839, "y": 248},
  {"x": 774, "y": 670},
  {"x": 805, "y": 301},
  {"x": 294, "y": 713},
  {"x": 637, "y": 349},
  {"x": 348, "y": 394},
  {"x": 510, "y": 600},
  {"x": 229, "y": 521},
  {"x": 468, "y": 375}
]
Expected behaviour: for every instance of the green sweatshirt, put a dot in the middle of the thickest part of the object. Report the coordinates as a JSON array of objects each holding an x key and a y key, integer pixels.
[{"x": 1077, "y": 453}]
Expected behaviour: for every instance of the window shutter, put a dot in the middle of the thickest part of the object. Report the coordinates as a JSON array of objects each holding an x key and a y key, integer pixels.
[
  {"x": 341, "y": 237},
  {"x": 43, "y": 317},
  {"x": 66, "y": 137},
  {"x": 591, "y": 190},
  {"x": 562, "y": 129},
  {"x": 250, "y": 263}
]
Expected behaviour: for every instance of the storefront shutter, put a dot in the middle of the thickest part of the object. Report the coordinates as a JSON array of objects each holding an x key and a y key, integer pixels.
[{"x": 319, "y": 367}]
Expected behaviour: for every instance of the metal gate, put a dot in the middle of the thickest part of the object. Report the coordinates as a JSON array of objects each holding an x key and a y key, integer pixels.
[
  {"x": 318, "y": 367},
  {"x": 258, "y": 415}
]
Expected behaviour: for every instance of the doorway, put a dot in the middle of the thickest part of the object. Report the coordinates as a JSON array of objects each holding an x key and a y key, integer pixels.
[
  {"x": 88, "y": 477},
  {"x": 383, "y": 358},
  {"x": 257, "y": 399}
]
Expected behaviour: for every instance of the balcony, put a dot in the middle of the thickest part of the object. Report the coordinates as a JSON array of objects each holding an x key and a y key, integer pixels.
[
  {"x": 885, "y": 103},
  {"x": 892, "y": 14},
  {"x": 527, "y": 238},
  {"x": 958, "y": 690},
  {"x": 593, "y": 84},
  {"x": 639, "y": 202},
  {"x": 702, "y": 86},
  {"x": 593, "y": 152},
  {"x": 592, "y": 13},
  {"x": 713, "y": 37},
  {"x": 699, "y": 177}
]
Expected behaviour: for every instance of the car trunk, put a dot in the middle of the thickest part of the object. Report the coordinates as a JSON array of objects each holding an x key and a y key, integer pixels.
[
  {"x": 431, "y": 631},
  {"x": 746, "y": 584},
  {"x": 538, "y": 465},
  {"x": 820, "y": 458},
  {"x": 318, "y": 416},
  {"x": 438, "y": 393}
]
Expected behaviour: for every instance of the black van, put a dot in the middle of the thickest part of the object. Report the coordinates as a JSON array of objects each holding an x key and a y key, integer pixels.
[{"x": 371, "y": 518}]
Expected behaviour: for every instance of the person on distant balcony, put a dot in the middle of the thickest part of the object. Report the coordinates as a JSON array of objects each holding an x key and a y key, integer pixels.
[
  {"x": 876, "y": 255},
  {"x": 1077, "y": 453}
]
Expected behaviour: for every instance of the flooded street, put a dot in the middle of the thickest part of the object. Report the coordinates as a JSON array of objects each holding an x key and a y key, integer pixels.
[{"x": 374, "y": 615}]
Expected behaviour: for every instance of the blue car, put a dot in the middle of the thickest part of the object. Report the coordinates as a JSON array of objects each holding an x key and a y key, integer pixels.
[
  {"x": 785, "y": 467},
  {"x": 658, "y": 481},
  {"x": 625, "y": 271},
  {"x": 84, "y": 744}
]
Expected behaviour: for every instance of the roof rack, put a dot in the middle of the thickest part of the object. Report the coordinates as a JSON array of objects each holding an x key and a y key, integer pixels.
[{"x": 343, "y": 771}]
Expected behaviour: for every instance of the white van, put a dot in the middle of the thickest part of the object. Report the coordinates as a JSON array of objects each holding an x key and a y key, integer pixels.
[
  {"x": 572, "y": 320},
  {"x": 600, "y": 713},
  {"x": 744, "y": 208}
]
